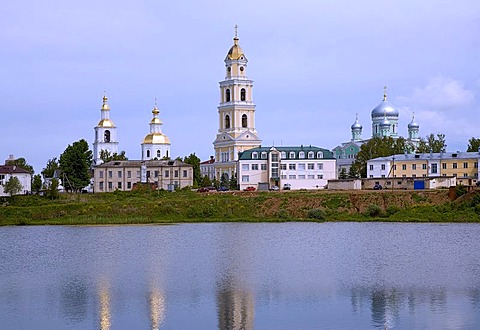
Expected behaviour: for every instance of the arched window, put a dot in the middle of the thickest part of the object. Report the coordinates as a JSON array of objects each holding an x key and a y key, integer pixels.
[
  {"x": 227, "y": 95},
  {"x": 107, "y": 136},
  {"x": 301, "y": 154},
  {"x": 319, "y": 154},
  {"x": 227, "y": 121},
  {"x": 244, "y": 120},
  {"x": 283, "y": 155},
  {"x": 311, "y": 155},
  {"x": 264, "y": 155},
  {"x": 158, "y": 154},
  {"x": 255, "y": 155},
  {"x": 148, "y": 153},
  {"x": 243, "y": 94},
  {"x": 292, "y": 155}
]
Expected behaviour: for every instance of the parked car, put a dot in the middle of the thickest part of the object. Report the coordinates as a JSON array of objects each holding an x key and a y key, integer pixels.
[
  {"x": 377, "y": 187},
  {"x": 250, "y": 188},
  {"x": 207, "y": 189},
  {"x": 274, "y": 188},
  {"x": 222, "y": 188},
  {"x": 287, "y": 186}
]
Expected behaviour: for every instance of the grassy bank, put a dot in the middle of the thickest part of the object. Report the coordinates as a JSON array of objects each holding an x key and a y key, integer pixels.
[{"x": 187, "y": 206}]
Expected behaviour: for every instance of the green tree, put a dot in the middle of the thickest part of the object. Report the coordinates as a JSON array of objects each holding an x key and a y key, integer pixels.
[
  {"x": 75, "y": 164},
  {"x": 375, "y": 147},
  {"x": 37, "y": 183},
  {"x": 52, "y": 166},
  {"x": 206, "y": 182},
  {"x": 473, "y": 144},
  {"x": 233, "y": 182},
  {"x": 432, "y": 143},
  {"x": 195, "y": 162},
  {"x": 106, "y": 156},
  {"x": 12, "y": 186},
  {"x": 52, "y": 189},
  {"x": 343, "y": 173},
  {"x": 21, "y": 162}
]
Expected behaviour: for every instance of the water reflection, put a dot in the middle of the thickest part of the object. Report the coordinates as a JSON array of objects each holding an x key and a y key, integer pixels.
[
  {"x": 235, "y": 307},
  {"x": 157, "y": 307},
  {"x": 104, "y": 298}
]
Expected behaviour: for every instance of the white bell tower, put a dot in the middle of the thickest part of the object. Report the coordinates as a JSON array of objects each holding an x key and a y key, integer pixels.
[{"x": 105, "y": 134}]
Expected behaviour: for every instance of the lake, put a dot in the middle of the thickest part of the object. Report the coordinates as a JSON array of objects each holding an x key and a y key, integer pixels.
[{"x": 241, "y": 276}]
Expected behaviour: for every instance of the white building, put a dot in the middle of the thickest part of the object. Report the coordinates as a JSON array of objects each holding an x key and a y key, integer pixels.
[
  {"x": 294, "y": 167},
  {"x": 105, "y": 134},
  {"x": 155, "y": 145},
  {"x": 8, "y": 171}
]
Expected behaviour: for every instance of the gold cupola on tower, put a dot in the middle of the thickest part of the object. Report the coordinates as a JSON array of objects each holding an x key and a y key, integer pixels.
[
  {"x": 105, "y": 110},
  {"x": 235, "y": 51},
  {"x": 156, "y": 136}
]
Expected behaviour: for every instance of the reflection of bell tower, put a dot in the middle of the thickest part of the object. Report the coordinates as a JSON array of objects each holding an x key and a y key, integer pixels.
[
  {"x": 157, "y": 308},
  {"x": 236, "y": 113},
  {"x": 236, "y": 308},
  {"x": 105, "y": 134},
  {"x": 104, "y": 296}
]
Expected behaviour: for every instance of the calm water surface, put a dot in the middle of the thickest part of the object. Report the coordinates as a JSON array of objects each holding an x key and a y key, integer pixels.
[{"x": 241, "y": 276}]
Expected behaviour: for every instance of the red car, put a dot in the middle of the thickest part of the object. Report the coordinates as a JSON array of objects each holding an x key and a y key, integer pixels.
[{"x": 250, "y": 189}]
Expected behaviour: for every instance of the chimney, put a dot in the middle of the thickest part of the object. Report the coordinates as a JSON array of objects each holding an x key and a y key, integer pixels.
[{"x": 10, "y": 159}]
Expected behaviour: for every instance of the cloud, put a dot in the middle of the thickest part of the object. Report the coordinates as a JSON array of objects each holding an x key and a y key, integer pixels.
[{"x": 441, "y": 94}]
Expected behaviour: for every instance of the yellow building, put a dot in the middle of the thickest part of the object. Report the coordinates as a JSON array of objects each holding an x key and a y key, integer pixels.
[
  {"x": 462, "y": 165},
  {"x": 236, "y": 114}
]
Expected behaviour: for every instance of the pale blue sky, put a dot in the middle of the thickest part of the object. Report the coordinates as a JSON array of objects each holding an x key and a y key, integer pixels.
[{"x": 315, "y": 64}]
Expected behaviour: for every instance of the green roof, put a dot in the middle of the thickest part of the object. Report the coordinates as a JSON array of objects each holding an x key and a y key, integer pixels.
[{"x": 327, "y": 154}]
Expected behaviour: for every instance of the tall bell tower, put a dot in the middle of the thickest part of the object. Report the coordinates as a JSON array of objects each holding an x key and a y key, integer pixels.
[
  {"x": 236, "y": 114},
  {"x": 105, "y": 134}
]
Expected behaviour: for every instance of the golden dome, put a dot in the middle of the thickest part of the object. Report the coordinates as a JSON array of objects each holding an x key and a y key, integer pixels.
[
  {"x": 236, "y": 51},
  {"x": 105, "y": 105},
  {"x": 106, "y": 123},
  {"x": 156, "y": 120},
  {"x": 156, "y": 138}
]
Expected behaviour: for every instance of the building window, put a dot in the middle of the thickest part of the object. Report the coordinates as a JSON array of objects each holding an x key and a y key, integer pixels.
[
  {"x": 301, "y": 167},
  {"x": 227, "y": 121},
  {"x": 475, "y": 165},
  {"x": 254, "y": 167},
  {"x": 129, "y": 185},
  {"x": 110, "y": 186},
  {"x": 254, "y": 155},
  {"x": 424, "y": 166},
  {"x": 291, "y": 155},
  {"x": 107, "y": 136},
  {"x": 465, "y": 175},
  {"x": 465, "y": 165},
  {"x": 320, "y": 176},
  {"x": 155, "y": 174},
  {"x": 404, "y": 167},
  {"x": 311, "y": 166},
  {"x": 100, "y": 185},
  {"x": 243, "y": 94},
  {"x": 383, "y": 175},
  {"x": 119, "y": 174},
  {"x": 245, "y": 178},
  {"x": 444, "y": 166},
  {"x": 454, "y": 165},
  {"x": 434, "y": 168},
  {"x": 320, "y": 166},
  {"x": 148, "y": 153},
  {"x": 311, "y": 176},
  {"x": 311, "y": 155},
  {"x": 264, "y": 155},
  {"x": 424, "y": 175},
  {"x": 167, "y": 174},
  {"x": 275, "y": 172},
  {"x": 263, "y": 167},
  {"x": 301, "y": 177},
  {"x": 414, "y": 166},
  {"x": 129, "y": 174},
  {"x": 283, "y": 166},
  {"x": 414, "y": 175},
  {"x": 292, "y": 176},
  {"x": 301, "y": 155},
  {"x": 245, "y": 167},
  {"x": 159, "y": 154},
  {"x": 227, "y": 95},
  {"x": 110, "y": 174},
  {"x": 100, "y": 174},
  {"x": 148, "y": 174},
  {"x": 382, "y": 166},
  {"x": 283, "y": 176},
  {"x": 320, "y": 154},
  {"x": 371, "y": 167},
  {"x": 119, "y": 185},
  {"x": 283, "y": 155},
  {"x": 292, "y": 167},
  {"x": 138, "y": 174},
  {"x": 274, "y": 157},
  {"x": 244, "y": 120},
  {"x": 175, "y": 173},
  {"x": 185, "y": 173}
]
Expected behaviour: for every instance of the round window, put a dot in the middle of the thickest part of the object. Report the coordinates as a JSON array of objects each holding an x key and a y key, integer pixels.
[
  {"x": 229, "y": 69},
  {"x": 241, "y": 68}
]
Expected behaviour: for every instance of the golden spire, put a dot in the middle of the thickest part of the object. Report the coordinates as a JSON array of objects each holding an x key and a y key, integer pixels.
[
  {"x": 105, "y": 104},
  {"x": 385, "y": 93},
  {"x": 155, "y": 110}
]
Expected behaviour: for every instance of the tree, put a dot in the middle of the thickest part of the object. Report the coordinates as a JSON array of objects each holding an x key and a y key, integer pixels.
[
  {"x": 75, "y": 165},
  {"x": 13, "y": 186},
  {"x": 375, "y": 147},
  {"x": 50, "y": 168},
  {"x": 106, "y": 157},
  {"x": 343, "y": 173},
  {"x": 473, "y": 144},
  {"x": 195, "y": 162},
  {"x": 21, "y": 162},
  {"x": 432, "y": 143},
  {"x": 37, "y": 183},
  {"x": 206, "y": 182},
  {"x": 233, "y": 181},
  {"x": 52, "y": 189}
]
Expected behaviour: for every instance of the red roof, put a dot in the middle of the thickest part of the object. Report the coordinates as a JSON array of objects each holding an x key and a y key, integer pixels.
[{"x": 10, "y": 169}]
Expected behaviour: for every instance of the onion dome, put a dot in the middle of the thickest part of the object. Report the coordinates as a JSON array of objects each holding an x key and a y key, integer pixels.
[
  {"x": 385, "y": 108},
  {"x": 356, "y": 125},
  {"x": 235, "y": 51},
  {"x": 385, "y": 122},
  {"x": 156, "y": 136},
  {"x": 413, "y": 124}
]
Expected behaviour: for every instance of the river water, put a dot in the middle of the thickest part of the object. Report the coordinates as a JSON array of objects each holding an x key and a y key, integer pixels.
[{"x": 241, "y": 276}]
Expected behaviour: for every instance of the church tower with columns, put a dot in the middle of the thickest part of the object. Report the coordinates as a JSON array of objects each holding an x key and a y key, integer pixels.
[
  {"x": 236, "y": 114},
  {"x": 105, "y": 134}
]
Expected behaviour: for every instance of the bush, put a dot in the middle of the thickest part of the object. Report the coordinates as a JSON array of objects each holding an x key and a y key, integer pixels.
[
  {"x": 460, "y": 190},
  {"x": 316, "y": 214},
  {"x": 374, "y": 210},
  {"x": 391, "y": 210},
  {"x": 283, "y": 214}
]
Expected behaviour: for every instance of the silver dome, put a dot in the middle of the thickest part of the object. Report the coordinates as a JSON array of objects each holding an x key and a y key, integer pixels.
[
  {"x": 385, "y": 109},
  {"x": 385, "y": 123},
  {"x": 413, "y": 124},
  {"x": 356, "y": 125}
]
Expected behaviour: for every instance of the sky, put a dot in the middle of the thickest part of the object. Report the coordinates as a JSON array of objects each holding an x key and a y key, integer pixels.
[{"x": 314, "y": 63}]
